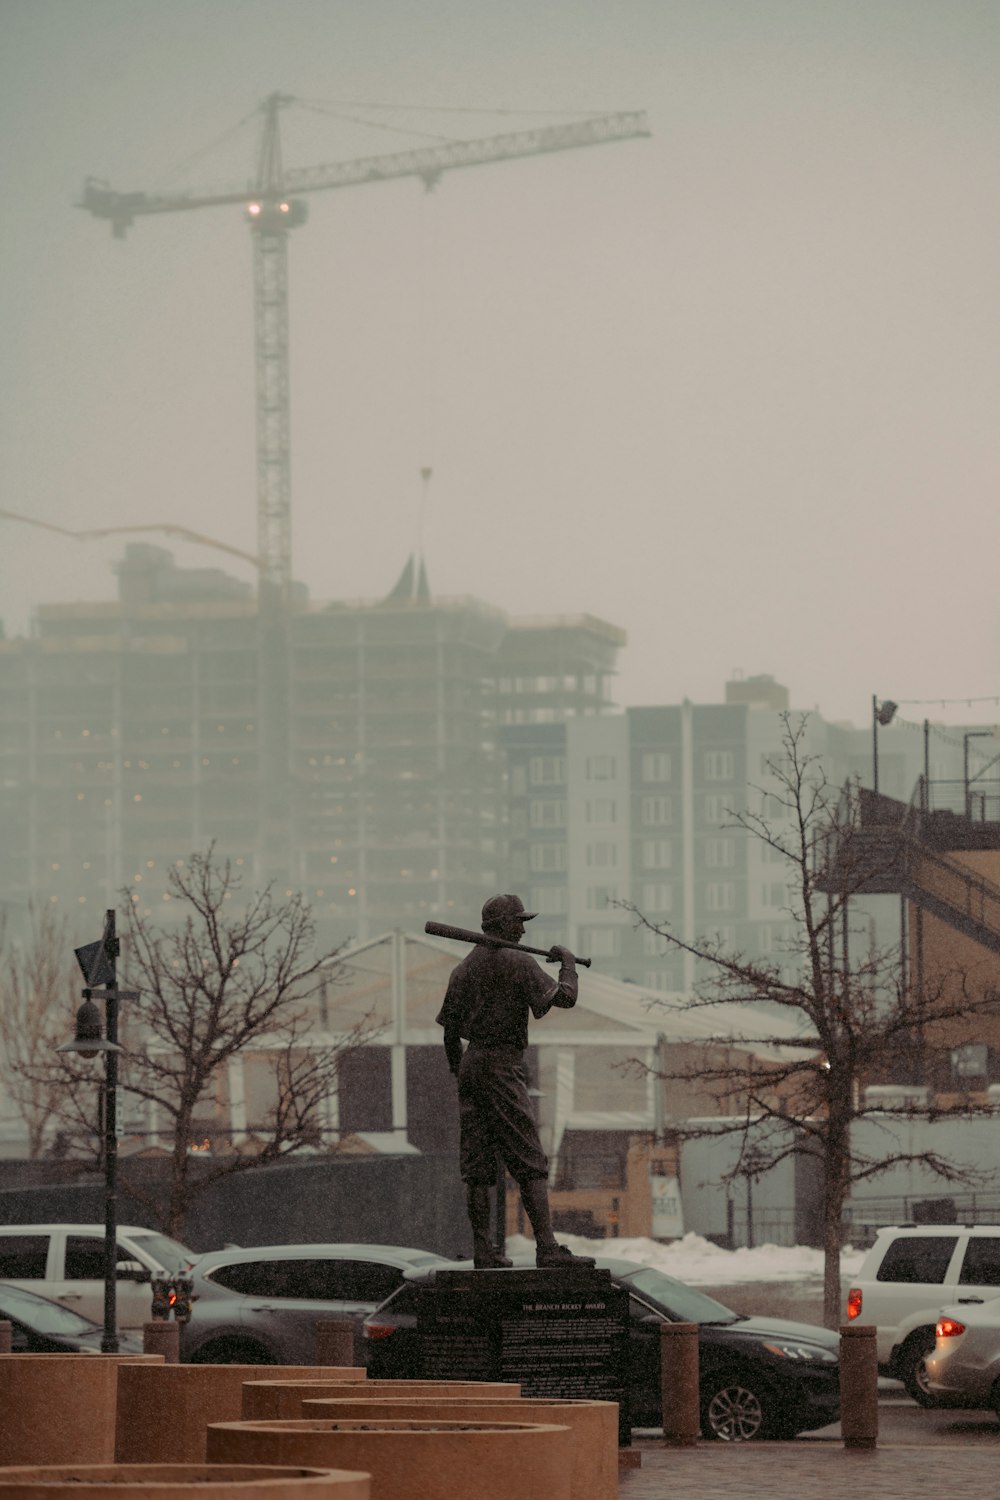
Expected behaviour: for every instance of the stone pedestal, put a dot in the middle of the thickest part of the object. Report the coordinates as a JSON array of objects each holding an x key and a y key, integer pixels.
[{"x": 560, "y": 1333}]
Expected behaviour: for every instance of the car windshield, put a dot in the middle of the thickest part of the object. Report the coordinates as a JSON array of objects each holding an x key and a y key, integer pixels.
[
  {"x": 171, "y": 1254},
  {"x": 41, "y": 1315},
  {"x": 684, "y": 1303}
]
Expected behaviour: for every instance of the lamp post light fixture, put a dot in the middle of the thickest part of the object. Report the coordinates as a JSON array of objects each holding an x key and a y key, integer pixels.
[
  {"x": 98, "y": 964},
  {"x": 882, "y": 713}
]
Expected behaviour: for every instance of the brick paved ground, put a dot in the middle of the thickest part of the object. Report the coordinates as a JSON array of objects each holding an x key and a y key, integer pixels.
[{"x": 810, "y": 1471}]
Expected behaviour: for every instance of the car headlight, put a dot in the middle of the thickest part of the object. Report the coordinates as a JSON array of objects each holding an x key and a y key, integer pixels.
[{"x": 814, "y": 1353}]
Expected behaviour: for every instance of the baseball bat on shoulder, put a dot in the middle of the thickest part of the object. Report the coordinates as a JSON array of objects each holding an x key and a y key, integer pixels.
[{"x": 465, "y": 935}]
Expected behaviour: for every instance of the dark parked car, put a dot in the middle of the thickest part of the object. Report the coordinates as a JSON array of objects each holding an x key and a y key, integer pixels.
[
  {"x": 40, "y": 1326},
  {"x": 760, "y": 1377},
  {"x": 260, "y": 1306}
]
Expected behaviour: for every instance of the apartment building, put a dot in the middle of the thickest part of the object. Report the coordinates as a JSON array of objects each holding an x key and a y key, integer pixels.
[
  {"x": 348, "y": 751},
  {"x": 638, "y": 806}
]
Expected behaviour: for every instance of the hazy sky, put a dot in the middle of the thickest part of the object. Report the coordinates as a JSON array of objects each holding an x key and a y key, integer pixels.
[{"x": 733, "y": 388}]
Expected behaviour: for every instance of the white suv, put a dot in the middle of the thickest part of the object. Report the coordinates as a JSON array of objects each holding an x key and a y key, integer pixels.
[
  {"x": 906, "y": 1278},
  {"x": 65, "y": 1262}
]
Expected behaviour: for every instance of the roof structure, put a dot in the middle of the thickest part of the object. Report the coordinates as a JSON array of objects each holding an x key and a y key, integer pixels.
[{"x": 399, "y": 980}]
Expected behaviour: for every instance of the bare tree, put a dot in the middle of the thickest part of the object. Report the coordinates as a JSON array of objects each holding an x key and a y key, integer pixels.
[
  {"x": 236, "y": 977},
  {"x": 857, "y": 1019},
  {"x": 36, "y": 991}
]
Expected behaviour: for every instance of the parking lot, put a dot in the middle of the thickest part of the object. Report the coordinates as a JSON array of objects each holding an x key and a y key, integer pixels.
[{"x": 920, "y": 1453}]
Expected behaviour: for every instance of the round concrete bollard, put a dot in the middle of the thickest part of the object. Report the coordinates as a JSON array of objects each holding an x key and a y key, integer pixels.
[
  {"x": 679, "y": 1384},
  {"x": 60, "y": 1408},
  {"x": 181, "y": 1482},
  {"x": 414, "y": 1460},
  {"x": 163, "y": 1412},
  {"x": 277, "y": 1400},
  {"x": 858, "y": 1386},
  {"x": 162, "y": 1337},
  {"x": 6, "y": 1335},
  {"x": 335, "y": 1342},
  {"x": 594, "y": 1425}
]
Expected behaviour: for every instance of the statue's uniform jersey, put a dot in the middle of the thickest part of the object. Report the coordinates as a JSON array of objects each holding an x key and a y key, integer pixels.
[{"x": 491, "y": 995}]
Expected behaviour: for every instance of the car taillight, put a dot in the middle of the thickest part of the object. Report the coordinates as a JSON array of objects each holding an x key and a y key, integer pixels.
[
  {"x": 947, "y": 1328},
  {"x": 854, "y": 1298},
  {"x": 378, "y": 1330}
]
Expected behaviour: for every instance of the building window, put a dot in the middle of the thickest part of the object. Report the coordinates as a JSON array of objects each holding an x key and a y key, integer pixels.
[
  {"x": 548, "y": 900},
  {"x": 600, "y": 767},
  {"x": 720, "y": 895},
  {"x": 654, "y": 979},
  {"x": 547, "y": 770},
  {"x": 723, "y": 935},
  {"x": 656, "y": 765},
  {"x": 600, "y": 897},
  {"x": 547, "y": 812},
  {"x": 652, "y": 943},
  {"x": 657, "y": 854},
  {"x": 720, "y": 765},
  {"x": 602, "y": 810},
  {"x": 602, "y": 856},
  {"x": 654, "y": 810},
  {"x": 717, "y": 808},
  {"x": 720, "y": 854},
  {"x": 547, "y": 857},
  {"x": 774, "y": 894},
  {"x": 657, "y": 896}
]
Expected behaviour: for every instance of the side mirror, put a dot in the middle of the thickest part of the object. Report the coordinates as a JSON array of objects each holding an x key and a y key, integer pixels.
[{"x": 133, "y": 1270}]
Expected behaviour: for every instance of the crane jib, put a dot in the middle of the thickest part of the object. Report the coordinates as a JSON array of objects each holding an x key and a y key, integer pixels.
[{"x": 105, "y": 203}]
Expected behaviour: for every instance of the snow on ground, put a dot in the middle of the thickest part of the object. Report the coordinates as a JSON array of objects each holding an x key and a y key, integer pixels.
[{"x": 701, "y": 1263}]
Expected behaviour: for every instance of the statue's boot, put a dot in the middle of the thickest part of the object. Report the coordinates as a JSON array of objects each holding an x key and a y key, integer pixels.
[
  {"x": 484, "y": 1254},
  {"x": 548, "y": 1252}
]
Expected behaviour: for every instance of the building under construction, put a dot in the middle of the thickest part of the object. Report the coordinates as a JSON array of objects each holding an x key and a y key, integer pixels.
[{"x": 133, "y": 735}]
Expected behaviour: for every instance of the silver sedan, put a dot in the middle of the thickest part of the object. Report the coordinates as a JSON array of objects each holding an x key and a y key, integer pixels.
[{"x": 963, "y": 1369}]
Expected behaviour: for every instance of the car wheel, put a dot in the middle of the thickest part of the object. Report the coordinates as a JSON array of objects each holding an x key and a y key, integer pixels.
[
  {"x": 734, "y": 1411},
  {"x": 911, "y": 1366},
  {"x": 233, "y": 1351}
]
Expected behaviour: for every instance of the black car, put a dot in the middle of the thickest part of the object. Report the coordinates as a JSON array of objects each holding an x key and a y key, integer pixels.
[
  {"x": 760, "y": 1377},
  {"x": 39, "y": 1326}
]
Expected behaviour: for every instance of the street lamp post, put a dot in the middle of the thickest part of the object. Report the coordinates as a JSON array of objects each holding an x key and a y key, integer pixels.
[
  {"x": 882, "y": 713},
  {"x": 98, "y": 963}
]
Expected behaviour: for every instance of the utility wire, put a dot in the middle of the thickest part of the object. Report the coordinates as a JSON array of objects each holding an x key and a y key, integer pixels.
[
  {"x": 203, "y": 151},
  {"x": 339, "y": 114},
  {"x": 450, "y": 109}
]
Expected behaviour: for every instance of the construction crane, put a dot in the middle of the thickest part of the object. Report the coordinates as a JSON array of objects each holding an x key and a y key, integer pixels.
[{"x": 274, "y": 207}]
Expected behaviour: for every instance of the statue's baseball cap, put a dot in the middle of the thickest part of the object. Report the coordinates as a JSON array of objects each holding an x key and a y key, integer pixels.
[{"x": 499, "y": 909}]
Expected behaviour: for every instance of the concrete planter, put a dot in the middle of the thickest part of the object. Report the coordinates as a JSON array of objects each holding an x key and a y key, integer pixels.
[
  {"x": 270, "y": 1400},
  {"x": 60, "y": 1408},
  {"x": 414, "y": 1460},
  {"x": 181, "y": 1482},
  {"x": 163, "y": 1412},
  {"x": 594, "y": 1425}
]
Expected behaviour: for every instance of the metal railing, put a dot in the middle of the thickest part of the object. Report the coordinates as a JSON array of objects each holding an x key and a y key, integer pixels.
[{"x": 864, "y": 1217}]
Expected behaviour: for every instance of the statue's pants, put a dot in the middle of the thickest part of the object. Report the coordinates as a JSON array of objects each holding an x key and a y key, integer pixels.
[{"x": 496, "y": 1117}]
